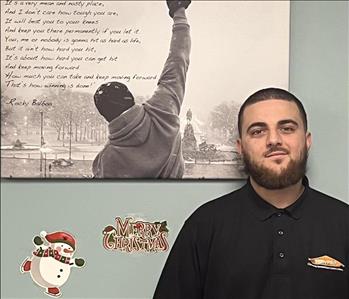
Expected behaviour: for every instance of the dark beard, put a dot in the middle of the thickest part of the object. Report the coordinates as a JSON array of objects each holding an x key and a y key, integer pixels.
[{"x": 269, "y": 179}]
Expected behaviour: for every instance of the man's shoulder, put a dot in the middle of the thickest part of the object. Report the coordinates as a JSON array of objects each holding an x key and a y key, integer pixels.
[
  {"x": 328, "y": 204},
  {"x": 227, "y": 203}
]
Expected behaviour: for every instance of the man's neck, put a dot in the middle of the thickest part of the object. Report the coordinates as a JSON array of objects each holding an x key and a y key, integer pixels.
[{"x": 279, "y": 198}]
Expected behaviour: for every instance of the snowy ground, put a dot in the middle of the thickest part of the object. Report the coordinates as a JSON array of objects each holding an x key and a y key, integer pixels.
[
  {"x": 25, "y": 163},
  {"x": 30, "y": 168}
]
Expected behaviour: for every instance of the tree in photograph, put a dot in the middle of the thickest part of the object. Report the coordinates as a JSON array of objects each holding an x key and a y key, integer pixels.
[
  {"x": 223, "y": 120},
  {"x": 80, "y": 106},
  {"x": 72, "y": 113},
  {"x": 11, "y": 116},
  {"x": 58, "y": 113},
  {"x": 6, "y": 112}
]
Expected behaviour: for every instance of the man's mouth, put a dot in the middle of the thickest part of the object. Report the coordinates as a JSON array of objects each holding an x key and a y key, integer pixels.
[{"x": 276, "y": 154}]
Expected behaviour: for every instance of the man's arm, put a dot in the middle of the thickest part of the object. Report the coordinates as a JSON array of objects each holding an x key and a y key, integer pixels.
[
  {"x": 171, "y": 86},
  {"x": 181, "y": 277},
  {"x": 347, "y": 257}
]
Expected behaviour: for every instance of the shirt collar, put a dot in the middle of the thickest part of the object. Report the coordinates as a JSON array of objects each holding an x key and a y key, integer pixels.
[{"x": 264, "y": 210}]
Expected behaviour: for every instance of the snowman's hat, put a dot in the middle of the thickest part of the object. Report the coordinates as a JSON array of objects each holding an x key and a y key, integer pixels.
[{"x": 61, "y": 237}]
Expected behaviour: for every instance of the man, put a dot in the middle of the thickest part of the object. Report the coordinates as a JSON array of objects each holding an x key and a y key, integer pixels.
[
  {"x": 275, "y": 238},
  {"x": 144, "y": 140}
]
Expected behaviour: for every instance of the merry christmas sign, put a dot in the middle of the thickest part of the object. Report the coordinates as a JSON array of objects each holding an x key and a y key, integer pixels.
[{"x": 130, "y": 235}]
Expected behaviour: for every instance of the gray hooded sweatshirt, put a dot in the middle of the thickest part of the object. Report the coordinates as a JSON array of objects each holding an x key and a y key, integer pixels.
[{"x": 145, "y": 141}]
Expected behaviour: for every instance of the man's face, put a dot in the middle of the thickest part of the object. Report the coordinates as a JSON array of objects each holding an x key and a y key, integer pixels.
[{"x": 273, "y": 143}]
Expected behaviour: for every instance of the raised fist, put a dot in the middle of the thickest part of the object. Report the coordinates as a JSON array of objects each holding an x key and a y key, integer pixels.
[{"x": 174, "y": 5}]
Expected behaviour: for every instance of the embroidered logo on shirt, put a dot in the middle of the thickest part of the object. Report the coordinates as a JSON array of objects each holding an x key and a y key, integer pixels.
[{"x": 325, "y": 262}]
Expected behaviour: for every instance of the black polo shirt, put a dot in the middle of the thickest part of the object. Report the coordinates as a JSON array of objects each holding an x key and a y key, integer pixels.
[{"x": 241, "y": 247}]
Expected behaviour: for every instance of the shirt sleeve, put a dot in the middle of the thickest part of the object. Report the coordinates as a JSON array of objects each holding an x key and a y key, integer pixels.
[
  {"x": 171, "y": 86},
  {"x": 180, "y": 277}
]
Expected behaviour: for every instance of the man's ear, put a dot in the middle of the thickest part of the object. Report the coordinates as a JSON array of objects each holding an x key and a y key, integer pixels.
[
  {"x": 239, "y": 145},
  {"x": 308, "y": 140}
]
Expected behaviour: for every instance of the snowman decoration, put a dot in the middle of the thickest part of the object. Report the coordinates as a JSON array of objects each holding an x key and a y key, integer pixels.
[{"x": 51, "y": 262}]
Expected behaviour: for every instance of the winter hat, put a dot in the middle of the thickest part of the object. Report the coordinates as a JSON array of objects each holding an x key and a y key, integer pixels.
[
  {"x": 61, "y": 237},
  {"x": 112, "y": 99}
]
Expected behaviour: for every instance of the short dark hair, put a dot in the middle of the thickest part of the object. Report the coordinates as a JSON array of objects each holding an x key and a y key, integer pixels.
[{"x": 272, "y": 94}]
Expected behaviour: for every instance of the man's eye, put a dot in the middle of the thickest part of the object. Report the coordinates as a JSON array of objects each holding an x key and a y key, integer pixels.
[
  {"x": 287, "y": 129},
  {"x": 257, "y": 132}
]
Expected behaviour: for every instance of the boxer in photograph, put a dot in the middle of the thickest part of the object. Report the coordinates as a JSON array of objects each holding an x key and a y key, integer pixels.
[{"x": 144, "y": 140}]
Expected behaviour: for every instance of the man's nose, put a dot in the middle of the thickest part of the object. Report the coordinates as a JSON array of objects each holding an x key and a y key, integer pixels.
[{"x": 274, "y": 138}]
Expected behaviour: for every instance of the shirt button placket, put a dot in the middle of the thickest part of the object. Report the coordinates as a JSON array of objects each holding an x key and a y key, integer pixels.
[{"x": 280, "y": 249}]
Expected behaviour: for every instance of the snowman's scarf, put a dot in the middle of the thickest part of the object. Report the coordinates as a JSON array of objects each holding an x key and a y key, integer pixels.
[{"x": 49, "y": 252}]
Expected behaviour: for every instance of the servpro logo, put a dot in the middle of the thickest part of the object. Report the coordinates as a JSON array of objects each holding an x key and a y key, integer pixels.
[{"x": 132, "y": 235}]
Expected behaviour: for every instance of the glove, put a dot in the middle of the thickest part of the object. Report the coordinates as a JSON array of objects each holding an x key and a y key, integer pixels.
[
  {"x": 38, "y": 241},
  {"x": 174, "y": 5},
  {"x": 79, "y": 262}
]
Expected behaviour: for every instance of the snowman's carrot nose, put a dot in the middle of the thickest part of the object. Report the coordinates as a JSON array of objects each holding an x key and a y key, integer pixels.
[{"x": 67, "y": 250}]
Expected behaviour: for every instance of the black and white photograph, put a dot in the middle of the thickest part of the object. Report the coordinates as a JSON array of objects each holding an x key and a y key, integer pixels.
[{"x": 133, "y": 89}]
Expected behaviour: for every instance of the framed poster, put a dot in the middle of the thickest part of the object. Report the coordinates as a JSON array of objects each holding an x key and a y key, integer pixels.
[
  {"x": 55, "y": 56},
  {"x": 85, "y": 209}
]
